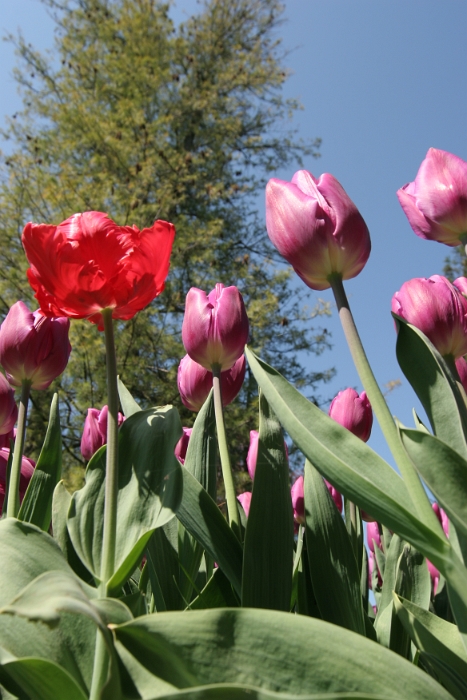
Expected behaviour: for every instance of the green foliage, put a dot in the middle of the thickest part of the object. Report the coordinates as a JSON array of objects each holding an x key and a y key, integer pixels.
[{"x": 142, "y": 119}]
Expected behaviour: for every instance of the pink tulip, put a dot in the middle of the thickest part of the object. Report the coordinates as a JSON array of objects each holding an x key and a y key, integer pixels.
[
  {"x": 33, "y": 347},
  {"x": 245, "y": 500},
  {"x": 436, "y": 202},
  {"x": 6, "y": 438},
  {"x": 438, "y": 309},
  {"x": 353, "y": 412},
  {"x": 442, "y": 517},
  {"x": 373, "y": 535},
  {"x": 298, "y": 501},
  {"x": 215, "y": 326},
  {"x": 195, "y": 382},
  {"x": 252, "y": 456},
  {"x": 95, "y": 431},
  {"x": 27, "y": 470},
  {"x": 8, "y": 410},
  {"x": 461, "y": 366},
  {"x": 372, "y": 565},
  {"x": 182, "y": 445},
  {"x": 317, "y": 228}
]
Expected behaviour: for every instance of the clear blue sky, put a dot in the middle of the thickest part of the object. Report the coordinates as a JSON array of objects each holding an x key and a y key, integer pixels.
[{"x": 380, "y": 82}]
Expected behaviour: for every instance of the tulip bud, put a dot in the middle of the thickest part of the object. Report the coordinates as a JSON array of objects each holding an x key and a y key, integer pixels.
[
  {"x": 95, "y": 431},
  {"x": 298, "y": 501},
  {"x": 252, "y": 456},
  {"x": 215, "y": 326},
  {"x": 245, "y": 500},
  {"x": 33, "y": 347},
  {"x": 353, "y": 412},
  {"x": 373, "y": 535},
  {"x": 434, "y": 573},
  {"x": 8, "y": 409},
  {"x": 438, "y": 309},
  {"x": 195, "y": 382},
  {"x": 442, "y": 517},
  {"x": 182, "y": 445},
  {"x": 27, "y": 470},
  {"x": 436, "y": 202},
  {"x": 317, "y": 228}
]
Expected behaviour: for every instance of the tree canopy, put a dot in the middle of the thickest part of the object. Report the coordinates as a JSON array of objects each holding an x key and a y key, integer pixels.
[{"x": 134, "y": 116}]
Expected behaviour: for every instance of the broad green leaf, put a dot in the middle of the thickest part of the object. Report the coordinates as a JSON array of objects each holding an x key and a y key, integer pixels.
[
  {"x": 200, "y": 515},
  {"x": 60, "y": 506},
  {"x": 333, "y": 567},
  {"x": 443, "y": 470},
  {"x": 217, "y": 593},
  {"x": 149, "y": 491},
  {"x": 268, "y": 547},
  {"x": 129, "y": 405},
  {"x": 221, "y": 691},
  {"x": 42, "y": 679},
  {"x": 164, "y": 569},
  {"x": 384, "y": 614},
  {"x": 434, "y": 383},
  {"x": 36, "y": 507},
  {"x": 347, "y": 462},
  {"x": 271, "y": 651},
  {"x": 201, "y": 456},
  {"x": 444, "y": 674}
]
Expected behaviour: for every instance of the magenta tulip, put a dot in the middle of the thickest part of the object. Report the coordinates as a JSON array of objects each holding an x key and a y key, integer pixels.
[
  {"x": 373, "y": 535},
  {"x": 353, "y": 412},
  {"x": 438, "y": 309},
  {"x": 461, "y": 366},
  {"x": 195, "y": 382},
  {"x": 298, "y": 501},
  {"x": 372, "y": 566},
  {"x": 252, "y": 456},
  {"x": 182, "y": 445},
  {"x": 442, "y": 517},
  {"x": 27, "y": 470},
  {"x": 317, "y": 228},
  {"x": 32, "y": 347},
  {"x": 245, "y": 500},
  {"x": 215, "y": 326},
  {"x": 95, "y": 431},
  {"x": 8, "y": 409},
  {"x": 436, "y": 202}
]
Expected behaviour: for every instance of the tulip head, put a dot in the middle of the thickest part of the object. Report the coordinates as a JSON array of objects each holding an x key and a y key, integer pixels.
[
  {"x": 442, "y": 517},
  {"x": 436, "y": 202},
  {"x": 317, "y": 228},
  {"x": 298, "y": 501},
  {"x": 95, "y": 431},
  {"x": 8, "y": 411},
  {"x": 215, "y": 326},
  {"x": 182, "y": 445},
  {"x": 33, "y": 347},
  {"x": 27, "y": 470},
  {"x": 438, "y": 309},
  {"x": 195, "y": 382},
  {"x": 245, "y": 500},
  {"x": 353, "y": 412},
  {"x": 373, "y": 535},
  {"x": 88, "y": 264},
  {"x": 252, "y": 455}
]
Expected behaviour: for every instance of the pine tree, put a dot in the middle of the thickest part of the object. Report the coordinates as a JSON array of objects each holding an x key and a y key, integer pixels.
[{"x": 142, "y": 119}]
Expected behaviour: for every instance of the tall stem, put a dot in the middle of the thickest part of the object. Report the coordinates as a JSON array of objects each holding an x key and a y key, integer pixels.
[
  {"x": 230, "y": 494},
  {"x": 15, "y": 475},
  {"x": 378, "y": 403},
  {"x": 111, "y": 474}
]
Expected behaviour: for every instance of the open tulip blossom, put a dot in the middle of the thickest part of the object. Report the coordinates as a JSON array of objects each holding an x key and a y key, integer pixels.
[
  {"x": 317, "y": 228},
  {"x": 436, "y": 202}
]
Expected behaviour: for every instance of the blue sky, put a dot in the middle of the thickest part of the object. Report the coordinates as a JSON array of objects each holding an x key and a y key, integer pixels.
[{"x": 381, "y": 81}]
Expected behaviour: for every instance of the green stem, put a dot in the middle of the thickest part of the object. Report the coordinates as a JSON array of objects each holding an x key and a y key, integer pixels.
[
  {"x": 100, "y": 669},
  {"x": 15, "y": 475},
  {"x": 379, "y": 405},
  {"x": 230, "y": 494},
  {"x": 111, "y": 473}
]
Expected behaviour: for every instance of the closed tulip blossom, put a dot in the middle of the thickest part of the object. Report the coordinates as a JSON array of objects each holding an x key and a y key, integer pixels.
[
  {"x": 215, "y": 326},
  {"x": 373, "y": 535},
  {"x": 87, "y": 264},
  {"x": 182, "y": 445},
  {"x": 95, "y": 431},
  {"x": 444, "y": 522},
  {"x": 353, "y": 411},
  {"x": 298, "y": 501},
  {"x": 195, "y": 382},
  {"x": 33, "y": 348},
  {"x": 317, "y": 228},
  {"x": 8, "y": 410},
  {"x": 245, "y": 500},
  {"x": 438, "y": 309},
  {"x": 27, "y": 470},
  {"x": 436, "y": 202}
]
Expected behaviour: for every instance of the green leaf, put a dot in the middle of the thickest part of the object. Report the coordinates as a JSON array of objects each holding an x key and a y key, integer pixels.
[
  {"x": 271, "y": 651},
  {"x": 347, "y": 462},
  {"x": 60, "y": 506},
  {"x": 164, "y": 569},
  {"x": 200, "y": 515},
  {"x": 201, "y": 456},
  {"x": 129, "y": 405},
  {"x": 36, "y": 507},
  {"x": 444, "y": 674},
  {"x": 222, "y": 691},
  {"x": 333, "y": 567},
  {"x": 149, "y": 491},
  {"x": 268, "y": 547},
  {"x": 434, "y": 383},
  {"x": 217, "y": 593},
  {"x": 43, "y": 680}
]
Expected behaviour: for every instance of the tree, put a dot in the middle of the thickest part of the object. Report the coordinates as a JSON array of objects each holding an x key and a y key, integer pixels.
[{"x": 141, "y": 119}]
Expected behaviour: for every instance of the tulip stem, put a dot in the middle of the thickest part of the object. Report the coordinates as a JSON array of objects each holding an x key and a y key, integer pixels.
[
  {"x": 15, "y": 475},
  {"x": 230, "y": 495},
  {"x": 378, "y": 403},
  {"x": 111, "y": 473}
]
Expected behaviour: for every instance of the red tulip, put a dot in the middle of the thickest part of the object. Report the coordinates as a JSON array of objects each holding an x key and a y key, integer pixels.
[
  {"x": 88, "y": 263},
  {"x": 95, "y": 431},
  {"x": 27, "y": 470},
  {"x": 353, "y": 412},
  {"x": 33, "y": 347},
  {"x": 8, "y": 410},
  {"x": 436, "y": 202},
  {"x": 317, "y": 228},
  {"x": 182, "y": 445},
  {"x": 215, "y": 326},
  {"x": 195, "y": 382},
  {"x": 438, "y": 309}
]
